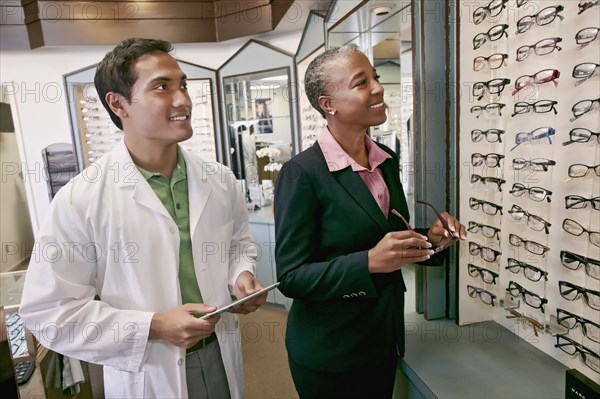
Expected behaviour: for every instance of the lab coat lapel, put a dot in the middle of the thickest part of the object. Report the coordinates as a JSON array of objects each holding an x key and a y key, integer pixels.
[
  {"x": 128, "y": 177},
  {"x": 198, "y": 194},
  {"x": 358, "y": 190}
]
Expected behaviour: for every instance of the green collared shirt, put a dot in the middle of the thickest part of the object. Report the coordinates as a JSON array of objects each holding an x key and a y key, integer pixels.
[{"x": 174, "y": 196}]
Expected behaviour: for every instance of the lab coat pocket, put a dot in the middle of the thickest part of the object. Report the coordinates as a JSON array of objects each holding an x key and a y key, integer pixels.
[{"x": 124, "y": 384}]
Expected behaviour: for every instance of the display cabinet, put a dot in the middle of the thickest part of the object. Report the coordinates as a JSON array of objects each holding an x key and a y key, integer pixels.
[{"x": 94, "y": 134}]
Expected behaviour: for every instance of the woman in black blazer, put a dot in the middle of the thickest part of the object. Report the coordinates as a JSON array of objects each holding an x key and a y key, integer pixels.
[{"x": 339, "y": 248}]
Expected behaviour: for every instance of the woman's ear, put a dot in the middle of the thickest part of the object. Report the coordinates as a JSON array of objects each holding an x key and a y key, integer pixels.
[
  {"x": 115, "y": 101},
  {"x": 326, "y": 104}
]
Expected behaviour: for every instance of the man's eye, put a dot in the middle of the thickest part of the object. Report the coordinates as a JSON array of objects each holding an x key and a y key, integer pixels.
[
  {"x": 184, "y": 86},
  {"x": 162, "y": 86},
  {"x": 362, "y": 82},
  {"x": 377, "y": 77}
]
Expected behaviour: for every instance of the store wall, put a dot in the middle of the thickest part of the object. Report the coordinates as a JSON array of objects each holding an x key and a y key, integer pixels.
[
  {"x": 15, "y": 230},
  {"x": 40, "y": 106}
]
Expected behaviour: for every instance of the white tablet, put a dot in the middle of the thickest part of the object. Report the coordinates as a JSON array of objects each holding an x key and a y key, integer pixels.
[{"x": 240, "y": 301}]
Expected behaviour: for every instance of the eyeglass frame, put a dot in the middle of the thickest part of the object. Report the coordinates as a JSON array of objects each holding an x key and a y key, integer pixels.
[
  {"x": 581, "y": 292},
  {"x": 486, "y": 61},
  {"x": 484, "y": 159},
  {"x": 480, "y": 271},
  {"x": 513, "y": 191},
  {"x": 585, "y": 6},
  {"x": 474, "y": 227},
  {"x": 480, "y": 249},
  {"x": 534, "y": 18},
  {"x": 582, "y": 321},
  {"x": 555, "y": 46},
  {"x": 492, "y": 107},
  {"x": 497, "y": 132},
  {"x": 439, "y": 216},
  {"x": 582, "y": 79},
  {"x": 528, "y": 137},
  {"x": 591, "y": 233},
  {"x": 534, "y": 106},
  {"x": 476, "y": 292},
  {"x": 595, "y": 168},
  {"x": 488, "y": 12},
  {"x": 543, "y": 248},
  {"x": 593, "y": 201},
  {"x": 580, "y": 114},
  {"x": 488, "y": 36},
  {"x": 584, "y": 44},
  {"x": 525, "y": 266},
  {"x": 478, "y": 202},
  {"x": 529, "y": 216},
  {"x": 503, "y": 82},
  {"x": 523, "y": 292},
  {"x": 488, "y": 179},
  {"x": 579, "y": 349},
  {"x": 584, "y": 261},
  {"x": 591, "y": 134},
  {"x": 532, "y": 162},
  {"x": 533, "y": 80},
  {"x": 534, "y": 323}
]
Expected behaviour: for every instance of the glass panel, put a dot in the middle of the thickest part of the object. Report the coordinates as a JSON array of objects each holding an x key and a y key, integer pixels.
[{"x": 258, "y": 121}]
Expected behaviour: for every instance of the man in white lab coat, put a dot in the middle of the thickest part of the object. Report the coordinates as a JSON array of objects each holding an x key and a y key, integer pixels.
[{"x": 144, "y": 241}]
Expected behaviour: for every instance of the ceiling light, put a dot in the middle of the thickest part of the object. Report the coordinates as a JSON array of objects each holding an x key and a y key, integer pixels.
[{"x": 381, "y": 10}]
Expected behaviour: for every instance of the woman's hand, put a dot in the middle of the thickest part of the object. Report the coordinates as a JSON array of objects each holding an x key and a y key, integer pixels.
[
  {"x": 398, "y": 248},
  {"x": 442, "y": 238}
]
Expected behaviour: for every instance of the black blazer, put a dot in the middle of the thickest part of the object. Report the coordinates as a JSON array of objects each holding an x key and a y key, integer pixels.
[{"x": 342, "y": 316}]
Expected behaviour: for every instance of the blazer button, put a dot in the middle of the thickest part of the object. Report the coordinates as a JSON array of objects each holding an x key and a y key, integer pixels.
[
  {"x": 362, "y": 293},
  {"x": 180, "y": 361},
  {"x": 354, "y": 295},
  {"x": 346, "y": 296}
]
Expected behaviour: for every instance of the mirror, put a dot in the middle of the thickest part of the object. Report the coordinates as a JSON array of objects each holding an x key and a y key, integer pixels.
[
  {"x": 258, "y": 123},
  {"x": 259, "y": 117}
]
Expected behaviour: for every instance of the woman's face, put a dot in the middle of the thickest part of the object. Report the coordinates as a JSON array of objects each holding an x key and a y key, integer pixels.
[{"x": 355, "y": 92}]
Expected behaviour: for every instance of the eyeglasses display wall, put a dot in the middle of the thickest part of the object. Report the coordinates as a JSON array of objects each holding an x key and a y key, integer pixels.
[
  {"x": 95, "y": 134},
  {"x": 311, "y": 121},
  {"x": 529, "y": 150}
]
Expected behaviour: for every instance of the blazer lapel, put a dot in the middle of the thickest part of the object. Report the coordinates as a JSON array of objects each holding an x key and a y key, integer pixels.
[
  {"x": 356, "y": 188},
  {"x": 391, "y": 175}
]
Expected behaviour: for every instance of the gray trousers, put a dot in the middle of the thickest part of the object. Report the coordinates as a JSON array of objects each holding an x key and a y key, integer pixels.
[{"x": 205, "y": 373}]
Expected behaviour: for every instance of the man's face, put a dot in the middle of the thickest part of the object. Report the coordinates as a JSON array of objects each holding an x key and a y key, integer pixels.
[{"x": 160, "y": 109}]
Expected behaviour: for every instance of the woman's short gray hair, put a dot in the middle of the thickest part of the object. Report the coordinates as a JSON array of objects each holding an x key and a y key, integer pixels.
[{"x": 316, "y": 81}]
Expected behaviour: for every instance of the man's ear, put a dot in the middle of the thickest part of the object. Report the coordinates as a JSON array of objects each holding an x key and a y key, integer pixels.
[{"x": 116, "y": 101}]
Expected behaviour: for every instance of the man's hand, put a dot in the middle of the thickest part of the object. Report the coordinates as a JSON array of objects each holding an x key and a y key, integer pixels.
[
  {"x": 245, "y": 285},
  {"x": 179, "y": 326}
]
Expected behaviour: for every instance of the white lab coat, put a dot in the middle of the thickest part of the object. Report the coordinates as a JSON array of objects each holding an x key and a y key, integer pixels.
[{"x": 109, "y": 237}]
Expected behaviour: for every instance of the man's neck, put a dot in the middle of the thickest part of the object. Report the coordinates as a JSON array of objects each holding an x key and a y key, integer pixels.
[{"x": 153, "y": 158}]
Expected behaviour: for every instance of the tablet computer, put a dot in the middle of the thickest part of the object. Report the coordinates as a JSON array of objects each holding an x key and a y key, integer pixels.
[{"x": 240, "y": 301}]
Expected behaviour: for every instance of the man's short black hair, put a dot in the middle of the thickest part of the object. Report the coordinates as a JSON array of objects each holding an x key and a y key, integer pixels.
[{"x": 114, "y": 72}]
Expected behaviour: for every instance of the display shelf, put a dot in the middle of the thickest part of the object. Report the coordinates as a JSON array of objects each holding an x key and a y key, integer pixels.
[{"x": 534, "y": 167}]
